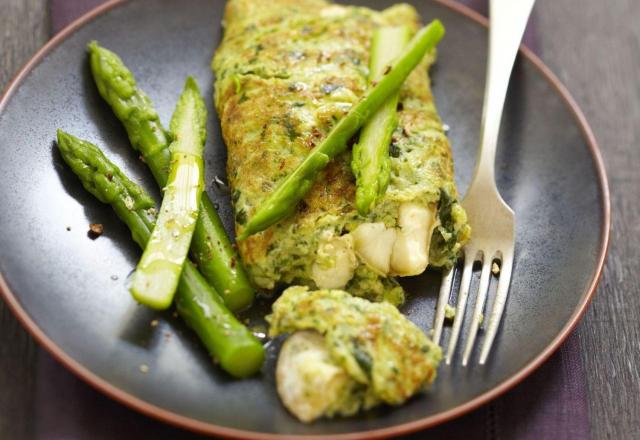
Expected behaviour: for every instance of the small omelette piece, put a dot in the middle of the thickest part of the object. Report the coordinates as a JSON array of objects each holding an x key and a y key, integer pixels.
[{"x": 346, "y": 353}]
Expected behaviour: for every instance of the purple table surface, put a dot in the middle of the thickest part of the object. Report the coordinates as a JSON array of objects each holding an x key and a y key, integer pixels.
[{"x": 550, "y": 404}]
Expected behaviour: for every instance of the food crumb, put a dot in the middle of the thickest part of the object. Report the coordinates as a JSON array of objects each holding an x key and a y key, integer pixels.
[
  {"x": 446, "y": 128},
  {"x": 95, "y": 230},
  {"x": 495, "y": 269},
  {"x": 114, "y": 277},
  {"x": 449, "y": 312},
  {"x": 154, "y": 323},
  {"x": 144, "y": 368}
]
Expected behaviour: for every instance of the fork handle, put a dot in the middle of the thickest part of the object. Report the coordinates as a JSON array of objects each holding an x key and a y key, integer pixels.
[{"x": 507, "y": 22}]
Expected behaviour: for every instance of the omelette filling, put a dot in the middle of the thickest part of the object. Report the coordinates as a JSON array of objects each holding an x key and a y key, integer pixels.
[
  {"x": 346, "y": 354},
  {"x": 284, "y": 76},
  {"x": 401, "y": 251}
]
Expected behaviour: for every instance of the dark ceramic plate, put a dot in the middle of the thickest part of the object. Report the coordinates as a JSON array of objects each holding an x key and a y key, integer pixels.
[{"x": 70, "y": 291}]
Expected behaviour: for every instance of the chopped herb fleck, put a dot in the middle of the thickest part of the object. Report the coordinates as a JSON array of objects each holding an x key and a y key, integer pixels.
[
  {"x": 241, "y": 217},
  {"x": 394, "y": 150},
  {"x": 363, "y": 359},
  {"x": 290, "y": 126}
]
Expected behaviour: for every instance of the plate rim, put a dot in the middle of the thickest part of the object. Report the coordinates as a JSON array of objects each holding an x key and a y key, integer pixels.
[{"x": 201, "y": 427}]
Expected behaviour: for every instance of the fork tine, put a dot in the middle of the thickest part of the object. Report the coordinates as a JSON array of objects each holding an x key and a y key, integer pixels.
[
  {"x": 498, "y": 306},
  {"x": 477, "y": 311},
  {"x": 465, "y": 284},
  {"x": 443, "y": 299}
]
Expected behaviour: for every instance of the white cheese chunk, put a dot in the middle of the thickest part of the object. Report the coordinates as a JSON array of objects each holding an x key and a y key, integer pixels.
[
  {"x": 373, "y": 243},
  {"x": 410, "y": 254},
  {"x": 335, "y": 263},
  {"x": 308, "y": 382}
]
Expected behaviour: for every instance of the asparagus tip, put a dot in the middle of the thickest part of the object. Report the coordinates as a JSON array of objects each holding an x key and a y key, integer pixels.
[
  {"x": 93, "y": 46},
  {"x": 191, "y": 83},
  {"x": 63, "y": 139}
]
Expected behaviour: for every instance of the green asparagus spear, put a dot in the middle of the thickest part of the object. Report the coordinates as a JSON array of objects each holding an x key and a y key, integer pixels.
[
  {"x": 156, "y": 278},
  {"x": 226, "y": 339},
  {"x": 210, "y": 248},
  {"x": 282, "y": 202},
  {"x": 370, "y": 163},
  {"x": 134, "y": 109}
]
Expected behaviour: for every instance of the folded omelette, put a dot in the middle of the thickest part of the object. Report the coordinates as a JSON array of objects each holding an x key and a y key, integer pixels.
[{"x": 286, "y": 72}]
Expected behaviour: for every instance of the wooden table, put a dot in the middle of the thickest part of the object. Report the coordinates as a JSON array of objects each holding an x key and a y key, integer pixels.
[{"x": 594, "y": 47}]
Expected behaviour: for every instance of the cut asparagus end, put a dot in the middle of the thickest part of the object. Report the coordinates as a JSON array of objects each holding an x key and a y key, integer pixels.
[
  {"x": 156, "y": 284},
  {"x": 157, "y": 276},
  {"x": 244, "y": 359}
]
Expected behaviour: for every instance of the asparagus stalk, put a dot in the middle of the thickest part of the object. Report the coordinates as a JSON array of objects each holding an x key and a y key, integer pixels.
[
  {"x": 210, "y": 248},
  {"x": 156, "y": 278},
  {"x": 227, "y": 340},
  {"x": 370, "y": 162},
  {"x": 282, "y": 202}
]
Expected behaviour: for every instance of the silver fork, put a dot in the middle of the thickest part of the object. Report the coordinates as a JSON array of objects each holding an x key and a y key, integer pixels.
[{"x": 492, "y": 220}]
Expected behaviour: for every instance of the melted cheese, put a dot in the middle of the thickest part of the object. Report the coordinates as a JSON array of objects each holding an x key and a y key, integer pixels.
[
  {"x": 308, "y": 382},
  {"x": 335, "y": 264},
  {"x": 374, "y": 243},
  {"x": 410, "y": 254}
]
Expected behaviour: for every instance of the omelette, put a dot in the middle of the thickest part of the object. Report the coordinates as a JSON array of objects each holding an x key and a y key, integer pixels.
[{"x": 286, "y": 72}]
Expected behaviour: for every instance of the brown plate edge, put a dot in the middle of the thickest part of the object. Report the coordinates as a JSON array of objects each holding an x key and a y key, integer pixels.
[{"x": 406, "y": 428}]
